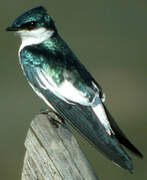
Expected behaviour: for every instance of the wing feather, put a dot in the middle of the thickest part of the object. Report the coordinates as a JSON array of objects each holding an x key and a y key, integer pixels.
[
  {"x": 79, "y": 113},
  {"x": 72, "y": 82}
]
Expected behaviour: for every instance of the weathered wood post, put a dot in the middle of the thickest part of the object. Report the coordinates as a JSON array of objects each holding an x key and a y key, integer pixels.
[{"x": 53, "y": 153}]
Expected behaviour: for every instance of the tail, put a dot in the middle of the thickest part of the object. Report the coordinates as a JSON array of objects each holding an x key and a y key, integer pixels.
[
  {"x": 112, "y": 149},
  {"x": 121, "y": 136}
]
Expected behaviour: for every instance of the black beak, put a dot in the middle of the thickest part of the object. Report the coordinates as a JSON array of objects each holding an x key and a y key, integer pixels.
[{"x": 11, "y": 28}]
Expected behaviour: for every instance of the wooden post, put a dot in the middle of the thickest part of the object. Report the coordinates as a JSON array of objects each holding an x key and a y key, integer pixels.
[{"x": 53, "y": 153}]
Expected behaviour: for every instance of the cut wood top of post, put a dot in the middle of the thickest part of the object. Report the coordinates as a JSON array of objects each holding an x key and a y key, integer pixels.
[{"x": 53, "y": 153}]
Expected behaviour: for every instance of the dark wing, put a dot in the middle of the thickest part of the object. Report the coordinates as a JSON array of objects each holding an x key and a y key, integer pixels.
[
  {"x": 62, "y": 74},
  {"x": 81, "y": 117}
]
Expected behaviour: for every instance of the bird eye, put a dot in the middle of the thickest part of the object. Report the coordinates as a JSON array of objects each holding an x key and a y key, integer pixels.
[
  {"x": 32, "y": 23},
  {"x": 29, "y": 25}
]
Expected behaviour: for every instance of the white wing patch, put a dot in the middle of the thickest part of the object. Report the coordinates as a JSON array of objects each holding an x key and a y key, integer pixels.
[
  {"x": 98, "y": 109},
  {"x": 66, "y": 91}
]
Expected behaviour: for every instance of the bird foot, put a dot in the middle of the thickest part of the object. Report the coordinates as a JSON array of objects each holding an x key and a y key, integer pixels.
[
  {"x": 53, "y": 117},
  {"x": 45, "y": 111}
]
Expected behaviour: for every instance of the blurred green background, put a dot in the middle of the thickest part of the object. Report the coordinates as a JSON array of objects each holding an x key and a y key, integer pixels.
[{"x": 110, "y": 39}]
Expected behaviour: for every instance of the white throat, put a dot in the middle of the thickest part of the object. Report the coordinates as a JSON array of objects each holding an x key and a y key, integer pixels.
[{"x": 33, "y": 37}]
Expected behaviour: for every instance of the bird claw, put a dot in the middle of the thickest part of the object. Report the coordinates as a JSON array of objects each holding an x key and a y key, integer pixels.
[{"x": 45, "y": 111}]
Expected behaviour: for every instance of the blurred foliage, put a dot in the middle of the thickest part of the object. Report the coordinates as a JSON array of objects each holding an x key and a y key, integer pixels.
[{"x": 110, "y": 39}]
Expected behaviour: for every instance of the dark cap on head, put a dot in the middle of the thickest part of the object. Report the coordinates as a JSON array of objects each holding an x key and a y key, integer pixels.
[{"x": 32, "y": 19}]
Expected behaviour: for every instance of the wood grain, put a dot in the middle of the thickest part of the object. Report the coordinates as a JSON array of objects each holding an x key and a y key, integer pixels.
[{"x": 52, "y": 152}]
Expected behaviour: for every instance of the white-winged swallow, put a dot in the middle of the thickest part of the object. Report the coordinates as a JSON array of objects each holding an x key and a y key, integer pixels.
[{"x": 60, "y": 79}]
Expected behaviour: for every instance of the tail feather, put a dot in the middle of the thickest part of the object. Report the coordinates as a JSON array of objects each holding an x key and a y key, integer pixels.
[{"x": 121, "y": 136}]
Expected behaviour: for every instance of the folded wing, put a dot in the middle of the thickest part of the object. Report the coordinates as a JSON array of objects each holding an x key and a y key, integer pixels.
[{"x": 81, "y": 106}]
